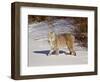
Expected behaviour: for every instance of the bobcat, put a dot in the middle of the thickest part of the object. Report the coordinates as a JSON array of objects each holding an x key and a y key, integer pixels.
[{"x": 60, "y": 41}]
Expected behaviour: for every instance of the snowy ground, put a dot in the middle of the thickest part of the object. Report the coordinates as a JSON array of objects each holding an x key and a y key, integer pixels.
[{"x": 39, "y": 47}]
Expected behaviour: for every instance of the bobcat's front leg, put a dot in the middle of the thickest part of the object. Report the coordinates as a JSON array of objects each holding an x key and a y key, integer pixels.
[
  {"x": 50, "y": 52},
  {"x": 57, "y": 51}
]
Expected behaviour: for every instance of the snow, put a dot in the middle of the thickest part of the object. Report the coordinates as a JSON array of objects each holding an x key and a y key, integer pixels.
[{"x": 39, "y": 46}]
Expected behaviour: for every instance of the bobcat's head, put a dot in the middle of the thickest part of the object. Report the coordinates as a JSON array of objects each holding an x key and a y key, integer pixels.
[{"x": 52, "y": 39}]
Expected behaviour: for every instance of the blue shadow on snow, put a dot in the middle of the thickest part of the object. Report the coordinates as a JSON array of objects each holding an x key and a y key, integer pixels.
[{"x": 46, "y": 52}]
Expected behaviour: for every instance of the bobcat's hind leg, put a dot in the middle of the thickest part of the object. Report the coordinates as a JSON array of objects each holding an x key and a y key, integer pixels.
[
  {"x": 71, "y": 48},
  {"x": 72, "y": 53}
]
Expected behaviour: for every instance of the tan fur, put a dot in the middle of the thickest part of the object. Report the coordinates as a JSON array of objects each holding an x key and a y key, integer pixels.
[{"x": 60, "y": 41}]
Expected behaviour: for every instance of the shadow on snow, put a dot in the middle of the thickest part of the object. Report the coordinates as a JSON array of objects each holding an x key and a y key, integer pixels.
[{"x": 46, "y": 52}]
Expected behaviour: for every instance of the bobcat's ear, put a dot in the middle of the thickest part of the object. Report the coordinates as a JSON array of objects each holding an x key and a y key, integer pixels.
[
  {"x": 53, "y": 33},
  {"x": 49, "y": 33}
]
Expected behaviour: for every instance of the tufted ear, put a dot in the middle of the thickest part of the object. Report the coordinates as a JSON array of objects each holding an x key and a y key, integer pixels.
[{"x": 51, "y": 33}]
